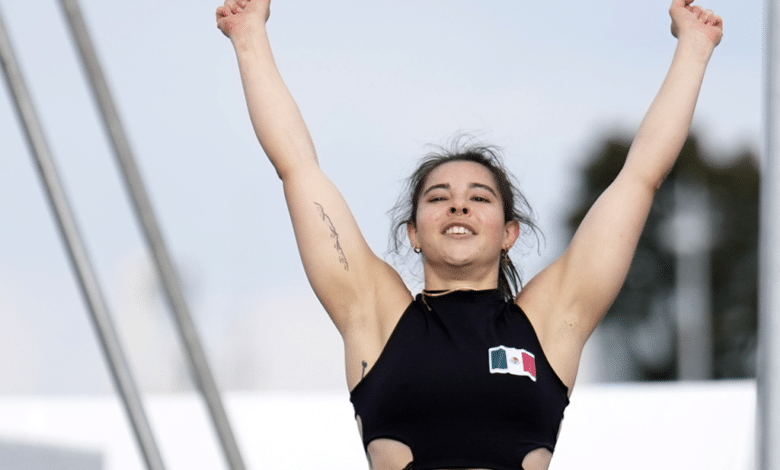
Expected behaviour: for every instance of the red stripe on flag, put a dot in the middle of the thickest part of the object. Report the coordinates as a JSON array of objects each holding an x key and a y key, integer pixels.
[{"x": 529, "y": 364}]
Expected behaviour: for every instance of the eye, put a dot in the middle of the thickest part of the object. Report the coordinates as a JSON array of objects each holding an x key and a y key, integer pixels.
[
  {"x": 437, "y": 199},
  {"x": 480, "y": 199}
]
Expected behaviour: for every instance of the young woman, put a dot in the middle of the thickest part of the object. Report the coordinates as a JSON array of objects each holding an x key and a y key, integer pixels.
[{"x": 469, "y": 373}]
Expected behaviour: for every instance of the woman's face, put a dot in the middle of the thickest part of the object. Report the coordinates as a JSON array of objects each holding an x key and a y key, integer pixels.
[{"x": 460, "y": 217}]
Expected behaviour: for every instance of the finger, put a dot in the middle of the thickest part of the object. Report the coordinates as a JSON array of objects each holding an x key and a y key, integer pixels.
[
  {"x": 696, "y": 10},
  {"x": 221, "y": 12},
  {"x": 718, "y": 21},
  {"x": 707, "y": 17},
  {"x": 231, "y": 6}
]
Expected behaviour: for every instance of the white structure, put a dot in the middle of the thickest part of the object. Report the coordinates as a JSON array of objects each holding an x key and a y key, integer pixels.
[{"x": 622, "y": 426}]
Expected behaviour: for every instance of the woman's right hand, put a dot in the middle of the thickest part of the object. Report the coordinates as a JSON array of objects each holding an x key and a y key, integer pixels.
[
  {"x": 238, "y": 17},
  {"x": 695, "y": 22}
]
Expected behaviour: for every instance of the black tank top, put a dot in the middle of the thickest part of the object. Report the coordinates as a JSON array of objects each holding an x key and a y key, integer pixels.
[{"x": 463, "y": 382}]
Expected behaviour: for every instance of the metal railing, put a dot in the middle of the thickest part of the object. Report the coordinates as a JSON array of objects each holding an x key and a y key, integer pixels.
[
  {"x": 143, "y": 208},
  {"x": 90, "y": 289}
]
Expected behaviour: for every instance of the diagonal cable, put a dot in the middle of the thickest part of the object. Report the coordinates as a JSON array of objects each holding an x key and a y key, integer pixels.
[
  {"x": 77, "y": 253},
  {"x": 143, "y": 208}
]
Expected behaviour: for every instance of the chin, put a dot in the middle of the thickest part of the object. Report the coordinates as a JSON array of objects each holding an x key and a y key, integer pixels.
[{"x": 459, "y": 261}]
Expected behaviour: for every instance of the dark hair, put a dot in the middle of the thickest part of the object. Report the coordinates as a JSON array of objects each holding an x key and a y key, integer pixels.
[{"x": 516, "y": 206}]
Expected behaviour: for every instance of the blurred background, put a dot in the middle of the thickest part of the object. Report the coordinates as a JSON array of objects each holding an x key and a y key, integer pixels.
[{"x": 561, "y": 87}]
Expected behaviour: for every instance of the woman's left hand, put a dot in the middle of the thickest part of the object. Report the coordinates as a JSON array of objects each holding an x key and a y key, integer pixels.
[
  {"x": 693, "y": 22},
  {"x": 238, "y": 17}
]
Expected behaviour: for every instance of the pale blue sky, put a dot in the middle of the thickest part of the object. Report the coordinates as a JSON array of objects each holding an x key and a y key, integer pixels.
[{"x": 375, "y": 82}]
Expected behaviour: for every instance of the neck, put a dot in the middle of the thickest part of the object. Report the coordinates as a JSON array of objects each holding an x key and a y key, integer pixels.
[{"x": 436, "y": 282}]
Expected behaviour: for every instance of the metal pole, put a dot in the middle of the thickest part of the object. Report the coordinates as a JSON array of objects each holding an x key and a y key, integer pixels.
[
  {"x": 143, "y": 207},
  {"x": 90, "y": 289},
  {"x": 769, "y": 283}
]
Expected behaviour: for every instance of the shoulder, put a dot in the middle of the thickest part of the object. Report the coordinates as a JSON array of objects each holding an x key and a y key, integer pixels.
[
  {"x": 556, "y": 323},
  {"x": 379, "y": 299},
  {"x": 541, "y": 299},
  {"x": 371, "y": 321}
]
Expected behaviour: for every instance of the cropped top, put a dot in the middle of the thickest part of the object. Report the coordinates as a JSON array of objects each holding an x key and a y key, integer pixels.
[{"x": 463, "y": 382}]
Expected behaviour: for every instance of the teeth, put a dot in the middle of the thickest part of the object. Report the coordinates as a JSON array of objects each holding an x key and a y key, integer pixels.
[{"x": 458, "y": 230}]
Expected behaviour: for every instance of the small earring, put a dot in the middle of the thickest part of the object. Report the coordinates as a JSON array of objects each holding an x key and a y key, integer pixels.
[{"x": 417, "y": 250}]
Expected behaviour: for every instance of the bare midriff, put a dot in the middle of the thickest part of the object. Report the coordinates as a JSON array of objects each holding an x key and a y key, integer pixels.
[{"x": 388, "y": 454}]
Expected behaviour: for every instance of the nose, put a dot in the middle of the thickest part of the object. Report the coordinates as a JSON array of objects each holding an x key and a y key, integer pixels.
[{"x": 463, "y": 210}]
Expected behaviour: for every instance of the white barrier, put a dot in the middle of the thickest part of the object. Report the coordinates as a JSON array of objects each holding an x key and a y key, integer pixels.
[{"x": 692, "y": 425}]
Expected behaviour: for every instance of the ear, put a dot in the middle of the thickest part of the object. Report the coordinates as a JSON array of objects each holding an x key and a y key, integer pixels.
[
  {"x": 511, "y": 232},
  {"x": 411, "y": 230}
]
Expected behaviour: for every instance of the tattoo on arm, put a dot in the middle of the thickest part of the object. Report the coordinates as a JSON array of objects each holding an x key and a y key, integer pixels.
[
  {"x": 334, "y": 235},
  {"x": 365, "y": 364}
]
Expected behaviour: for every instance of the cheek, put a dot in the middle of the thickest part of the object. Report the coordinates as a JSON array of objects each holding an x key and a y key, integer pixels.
[
  {"x": 426, "y": 218},
  {"x": 496, "y": 225}
]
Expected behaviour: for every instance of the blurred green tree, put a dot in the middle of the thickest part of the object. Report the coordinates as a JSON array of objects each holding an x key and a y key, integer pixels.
[{"x": 643, "y": 313}]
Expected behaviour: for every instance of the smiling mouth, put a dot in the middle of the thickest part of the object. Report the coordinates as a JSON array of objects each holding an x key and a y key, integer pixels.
[{"x": 458, "y": 230}]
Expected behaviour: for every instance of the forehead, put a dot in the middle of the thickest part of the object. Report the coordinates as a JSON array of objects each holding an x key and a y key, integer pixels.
[{"x": 464, "y": 172}]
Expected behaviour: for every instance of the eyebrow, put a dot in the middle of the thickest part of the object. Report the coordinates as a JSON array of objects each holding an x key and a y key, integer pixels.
[
  {"x": 471, "y": 186},
  {"x": 485, "y": 187}
]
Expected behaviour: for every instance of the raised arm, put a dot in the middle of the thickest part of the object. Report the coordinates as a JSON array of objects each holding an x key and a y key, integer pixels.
[
  {"x": 666, "y": 125},
  {"x": 275, "y": 116},
  {"x": 341, "y": 268},
  {"x": 578, "y": 289}
]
